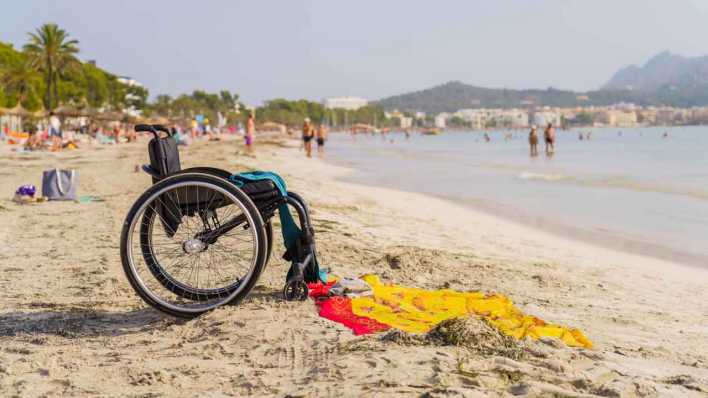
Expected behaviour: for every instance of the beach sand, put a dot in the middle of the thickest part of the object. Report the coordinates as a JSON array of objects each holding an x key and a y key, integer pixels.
[{"x": 71, "y": 325}]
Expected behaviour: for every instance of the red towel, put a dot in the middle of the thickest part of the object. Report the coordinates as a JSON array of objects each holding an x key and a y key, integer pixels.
[
  {"x": 319, "y": 289},
  {"x": 339, "y": 309}
]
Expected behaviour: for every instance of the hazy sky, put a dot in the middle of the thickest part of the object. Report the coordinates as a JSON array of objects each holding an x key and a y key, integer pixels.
[{"x": 312, "y": 49}]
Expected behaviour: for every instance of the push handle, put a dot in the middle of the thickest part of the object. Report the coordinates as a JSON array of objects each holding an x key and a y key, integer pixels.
[{"x": 152, "y": 128}]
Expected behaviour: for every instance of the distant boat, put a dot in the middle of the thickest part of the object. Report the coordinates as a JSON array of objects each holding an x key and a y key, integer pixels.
[{"x": 431, "y": 131}]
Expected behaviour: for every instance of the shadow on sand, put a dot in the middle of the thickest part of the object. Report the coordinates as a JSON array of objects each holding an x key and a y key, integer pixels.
[{"x": 77, "y": 322}]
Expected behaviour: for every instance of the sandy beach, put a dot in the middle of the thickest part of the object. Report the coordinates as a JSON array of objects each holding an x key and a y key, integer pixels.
[{"x": 70, "y": 325}]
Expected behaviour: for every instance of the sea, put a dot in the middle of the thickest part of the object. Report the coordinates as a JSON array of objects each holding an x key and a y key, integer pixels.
[{"x": 640, "y": 190}]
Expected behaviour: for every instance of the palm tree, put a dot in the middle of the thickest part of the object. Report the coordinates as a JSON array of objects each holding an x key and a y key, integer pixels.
[
  {"x": 51, "y": 51},
  {"x": 20, "y": 78}
]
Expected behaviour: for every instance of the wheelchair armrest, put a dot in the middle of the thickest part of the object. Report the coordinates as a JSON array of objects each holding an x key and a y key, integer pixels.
[{"x": 148, "y": 169}]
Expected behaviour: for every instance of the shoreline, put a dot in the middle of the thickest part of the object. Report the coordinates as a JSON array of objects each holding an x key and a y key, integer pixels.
[
  {"x": 510, "y": 219},
  {"x": 601, "y": 237}
]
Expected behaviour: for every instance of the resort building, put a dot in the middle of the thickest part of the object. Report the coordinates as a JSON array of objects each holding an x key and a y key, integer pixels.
[
  {"x": 481, "y": 118},
  {"x": 129, "y": 81},
  {"x": 542, "y": 118},
  {"x": 440, "y": 119},
  {"x": 616, "y": 117},
  {"x": 406, "y": 122},
  {"x": 348, "y": 103}
]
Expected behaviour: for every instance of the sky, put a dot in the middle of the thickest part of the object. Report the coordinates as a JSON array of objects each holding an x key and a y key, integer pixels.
[{"x": 314, "y": 49}]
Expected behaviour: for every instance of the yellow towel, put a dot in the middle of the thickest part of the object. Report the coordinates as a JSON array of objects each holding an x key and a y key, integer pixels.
[{"x": 417, "y": 311}]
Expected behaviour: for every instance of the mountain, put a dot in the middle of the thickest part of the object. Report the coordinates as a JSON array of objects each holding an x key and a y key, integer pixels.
[
  {"x": 666, "y": 79},
  {"x": 455, "y": 95},
  {"x": 663, "y": 70}
]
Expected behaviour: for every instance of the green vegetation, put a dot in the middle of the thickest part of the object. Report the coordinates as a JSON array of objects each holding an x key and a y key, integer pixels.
[
  {"x": 198, "y": 103},
  {"x": 292, "y": 113},
  {"x": 47, "y": 74}
]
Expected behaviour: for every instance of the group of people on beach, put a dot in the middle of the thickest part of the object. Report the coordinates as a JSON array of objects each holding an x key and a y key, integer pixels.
[
  {"x": 54, "y": 135},
  {"x": 549, "y": 137},
  {"x": 310, "y": 132}
]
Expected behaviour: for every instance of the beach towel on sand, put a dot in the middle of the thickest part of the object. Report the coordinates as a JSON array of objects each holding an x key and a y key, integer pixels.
[
  {"x": 339, "y": 309},
  {"x": 418, "y": 311}
]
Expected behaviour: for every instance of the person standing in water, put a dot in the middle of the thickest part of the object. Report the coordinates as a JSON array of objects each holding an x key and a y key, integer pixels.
[
  {"x": 550, "y": 137},
  {"x": 321, "y": 137},
  {"x": 307, "y": 134},
  {"x": 250, "y": 131},
  {"x": 533, "y": 141}
]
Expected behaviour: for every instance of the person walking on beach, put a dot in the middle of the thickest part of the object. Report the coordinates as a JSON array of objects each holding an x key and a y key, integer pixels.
[
  {"x": 193, "y": 128},
  {"x": 321, "y": 137},
  {"x": 116, "y": 133},
  {"x": 307, "y": 134},
  {"x": 55, "y": 131},
  {"x": 533, "y": 141},
  {"x": 250, "y": 131},
  {"x": 550, "y": 137}
]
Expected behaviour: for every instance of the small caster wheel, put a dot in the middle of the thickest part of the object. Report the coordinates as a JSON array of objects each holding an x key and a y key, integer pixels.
[{"x": 295, "y": 290}]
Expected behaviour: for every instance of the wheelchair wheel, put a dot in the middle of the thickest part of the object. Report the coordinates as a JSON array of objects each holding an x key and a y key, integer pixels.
[{"x": 193, "y": 242}]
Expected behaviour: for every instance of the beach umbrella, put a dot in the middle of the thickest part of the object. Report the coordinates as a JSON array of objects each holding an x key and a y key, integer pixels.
[
  {"x": 272, "y": 126},
  {"x": 67, "y": 111},
  {"x": 19, "y": 111},
  {"x": 158, "y": 120},
  {"x": 109, "y": 116}
]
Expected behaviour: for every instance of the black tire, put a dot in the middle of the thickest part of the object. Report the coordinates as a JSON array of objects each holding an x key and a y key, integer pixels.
[
  {"x": 230, "y": 295},
  {"x": 269, "y": 236}
]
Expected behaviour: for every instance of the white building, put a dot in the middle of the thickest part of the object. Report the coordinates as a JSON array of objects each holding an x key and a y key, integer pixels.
[
  {"x": 542, "y": 118},
  {"x": 348, "y": 103},
  {"x": 129, "y": 81},
  {"x": 484, "y": 117},
  {"x": 440, "y": 120}
]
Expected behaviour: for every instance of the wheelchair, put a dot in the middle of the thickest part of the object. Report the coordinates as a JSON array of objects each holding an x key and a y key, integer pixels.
[{"x": 200, "y": 237}]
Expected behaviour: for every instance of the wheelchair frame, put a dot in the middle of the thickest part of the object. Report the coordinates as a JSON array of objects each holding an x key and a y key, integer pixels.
[{"x": 303, "y": 259}]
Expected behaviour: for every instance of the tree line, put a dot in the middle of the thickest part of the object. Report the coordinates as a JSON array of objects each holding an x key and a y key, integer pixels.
[{"x": 46, "y": 73}]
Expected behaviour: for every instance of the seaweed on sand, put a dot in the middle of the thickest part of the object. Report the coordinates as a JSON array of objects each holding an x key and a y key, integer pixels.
[{"x": 474, "y": 334}]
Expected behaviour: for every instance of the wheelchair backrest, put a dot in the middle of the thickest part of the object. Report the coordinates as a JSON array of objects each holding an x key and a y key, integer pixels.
[{"x": 164, "y": 155}]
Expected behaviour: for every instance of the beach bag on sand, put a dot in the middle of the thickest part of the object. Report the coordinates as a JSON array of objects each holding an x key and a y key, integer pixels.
[{"x": 59, "y": 184}]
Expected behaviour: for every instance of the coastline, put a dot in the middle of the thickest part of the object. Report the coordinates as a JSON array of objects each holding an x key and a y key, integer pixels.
[
  {"x": 90, "y": 334},
  {"x": 523, "y": 227},
  {"x": 599, "y": 235}
]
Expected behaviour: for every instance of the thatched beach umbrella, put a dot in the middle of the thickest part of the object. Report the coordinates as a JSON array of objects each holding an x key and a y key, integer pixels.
[
  {"x": 158, "y": 120},
  {"x": 272, "y": 126},
  {"x": 18, "y": 110},
  {"x": 109, "y": 116},
  {"x": 68, "y": 111},
  {"x": 363, "y": 127}
]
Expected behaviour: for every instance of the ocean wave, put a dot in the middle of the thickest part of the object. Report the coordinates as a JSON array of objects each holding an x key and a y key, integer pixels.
[
  {"x": 527, "y": 175},
  {"x": 618, "y": 183}
]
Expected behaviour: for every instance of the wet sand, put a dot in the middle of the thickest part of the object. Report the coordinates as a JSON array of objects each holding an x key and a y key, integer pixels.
[{"x": 71, "y": 325}]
